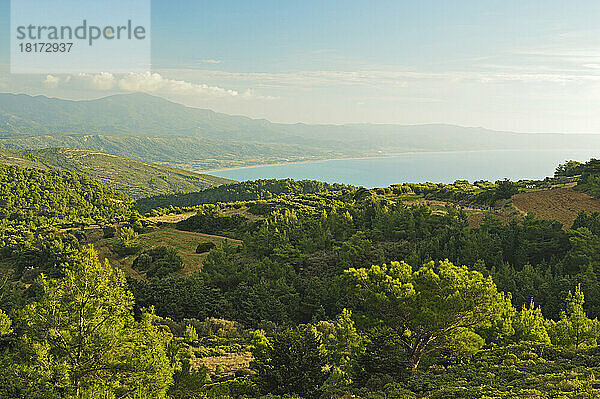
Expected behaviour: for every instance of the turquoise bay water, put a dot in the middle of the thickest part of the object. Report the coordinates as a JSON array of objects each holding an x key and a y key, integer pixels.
[{"x": 443, "y": 167}]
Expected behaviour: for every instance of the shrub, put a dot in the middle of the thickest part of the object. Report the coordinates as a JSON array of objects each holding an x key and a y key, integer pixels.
[
  {"x": 127, "y": 243},
  {"x": 109, "y": 231},
  {"x": 205, "y": 247}
]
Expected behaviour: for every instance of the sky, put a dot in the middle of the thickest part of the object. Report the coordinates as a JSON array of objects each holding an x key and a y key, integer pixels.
[{"x": 525, "y": 66}]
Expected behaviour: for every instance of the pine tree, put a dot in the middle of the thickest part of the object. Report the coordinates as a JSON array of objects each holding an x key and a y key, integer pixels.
[
  {"x": 575, "y": 329},
  {"x": 80, "y": 338}
]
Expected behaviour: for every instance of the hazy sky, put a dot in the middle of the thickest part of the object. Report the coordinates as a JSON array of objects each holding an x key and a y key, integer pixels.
[{"x": 509, "y": 65}]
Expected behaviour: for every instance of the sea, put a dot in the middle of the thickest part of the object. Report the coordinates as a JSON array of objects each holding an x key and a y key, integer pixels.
[{"x": 437, "y": 167}]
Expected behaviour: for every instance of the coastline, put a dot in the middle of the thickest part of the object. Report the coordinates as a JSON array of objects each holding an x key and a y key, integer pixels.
[{"x": 208, "y": 171}]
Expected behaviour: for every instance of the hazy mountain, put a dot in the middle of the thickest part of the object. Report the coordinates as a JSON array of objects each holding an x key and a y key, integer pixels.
[
  {"x": 135, "y": 178},
  {"x": 132, "y": 114},
  {"x": 150, "y": 128}
]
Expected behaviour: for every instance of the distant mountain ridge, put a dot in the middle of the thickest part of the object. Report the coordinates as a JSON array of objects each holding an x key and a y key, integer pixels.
[
  {"x": 135, "y": 178},
  {"x": 153, "y": 129},
  {"x": 133, "y": 114}
]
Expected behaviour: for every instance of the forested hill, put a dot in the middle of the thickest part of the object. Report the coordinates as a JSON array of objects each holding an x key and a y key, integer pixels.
[
  {"x": 263, "y": 189},
  {"x": 324, "y": 292},
  {"x": 135, "y": 178},
  {"x": 40, "y": 197}
]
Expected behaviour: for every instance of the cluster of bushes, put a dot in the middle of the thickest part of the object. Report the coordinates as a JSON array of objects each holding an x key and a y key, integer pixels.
[
  {"x": 158, "y": 262},
  {"x": 480, "y": 192},
  {"x": 127, "y": 243},
  {"x": 588, "y": 175},
  {"x": 204, "y": 247},
  {"x": 214, "y": 222}
]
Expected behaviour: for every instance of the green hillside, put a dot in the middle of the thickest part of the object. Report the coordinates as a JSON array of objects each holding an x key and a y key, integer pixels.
[
  {"x": 49, "y": 196},
  {"x": 135, "y": 178},
  {"x": 187, "y": 152}
]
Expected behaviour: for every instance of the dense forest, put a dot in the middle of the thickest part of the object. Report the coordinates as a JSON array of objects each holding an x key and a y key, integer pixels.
[
  {"x": 43, "y": 198},
  {"x": 245, "y": 191},
  {"x": 318, "y": 291}
]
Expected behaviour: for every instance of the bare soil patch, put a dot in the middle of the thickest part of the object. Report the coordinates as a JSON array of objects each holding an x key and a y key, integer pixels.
[{"x": 562, "y": 204}]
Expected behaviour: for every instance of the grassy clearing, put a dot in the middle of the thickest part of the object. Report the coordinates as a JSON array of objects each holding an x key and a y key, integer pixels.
[
  {"x": 184, "y": 242},
  {"x": 231, "y": 362},
  {"x": 178, "y": 217}
]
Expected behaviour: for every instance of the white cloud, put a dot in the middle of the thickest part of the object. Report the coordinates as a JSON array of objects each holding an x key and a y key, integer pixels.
[
  {"x": 302, "y": 78},
  {"x": 155, "y": 83},
  {"x": 138, "y": 82},
  {"x": 250, "y": 93},
  {"x": 389, "y": 78},
  {"x": 51, "y": 82},
  {"x": 100, "y": 81}
]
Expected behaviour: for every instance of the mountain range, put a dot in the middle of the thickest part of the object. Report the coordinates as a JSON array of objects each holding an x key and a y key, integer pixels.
[{"x": 153, "y": 129}]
